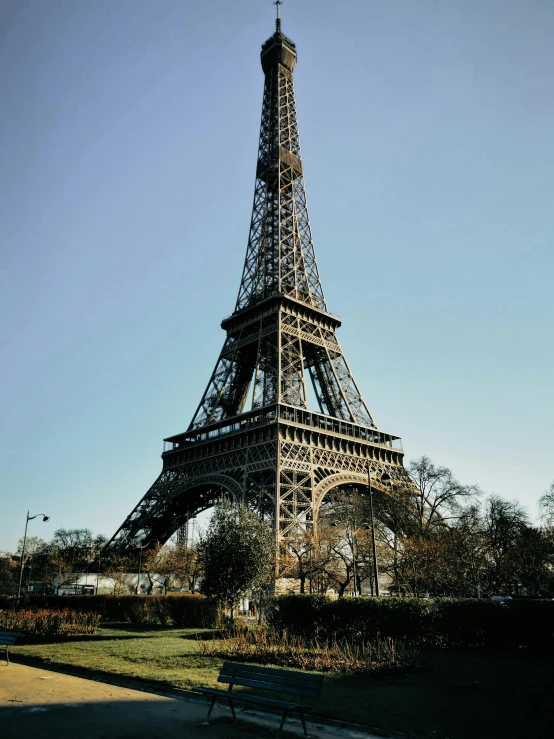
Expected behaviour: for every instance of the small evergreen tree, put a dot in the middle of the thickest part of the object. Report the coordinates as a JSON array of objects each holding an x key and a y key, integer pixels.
[{"x": 235, "y": 554}]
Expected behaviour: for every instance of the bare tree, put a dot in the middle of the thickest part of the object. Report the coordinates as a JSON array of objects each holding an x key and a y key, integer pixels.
[
  {"x": 170, "y": 565},
  {"x": 182, "y": 566},
  {"x": 533, "y": 561},
  {"x": 345, "y": 531},
  {"x": 33, "y": 545},
  {"x": 74, "y": 547},
  {"x": 116, "y": 567},
  {"x": 546, "y": 506},
  {"x": 504, "y": 522},
  {"x": 439, "y": 498},
  {"x": 307, "y": 556},
  {"x": 8, "y": 574}
]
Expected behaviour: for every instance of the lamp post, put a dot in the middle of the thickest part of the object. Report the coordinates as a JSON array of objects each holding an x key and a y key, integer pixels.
[
  {"x": 357, "y": 582},
  {"x": 29, "y": 518},
  {"x": 375, "y": 567},
  {"x": 99, "y": 567},
  {"x": 384, "y": 478},
  {"x": 311, "y": 566},
  {"x": 354, "y": 557}
]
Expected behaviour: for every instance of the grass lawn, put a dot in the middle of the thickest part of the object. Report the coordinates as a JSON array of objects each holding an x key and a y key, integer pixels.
[{"x": 460, "y": 695}]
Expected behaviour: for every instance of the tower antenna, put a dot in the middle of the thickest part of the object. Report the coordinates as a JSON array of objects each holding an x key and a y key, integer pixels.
[{"x": 278, "y": 3}]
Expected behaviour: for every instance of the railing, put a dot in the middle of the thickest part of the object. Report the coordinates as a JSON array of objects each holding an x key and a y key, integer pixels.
[
  {"x": 338, "y": 426},
  {"x": 254, "y": 418},
  {"x": 256, "y": 301},
  {"x": 298, "y": 416}
]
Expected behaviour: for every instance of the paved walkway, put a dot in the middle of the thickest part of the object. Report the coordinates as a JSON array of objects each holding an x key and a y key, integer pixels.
[{"x": 52, "y": 705}]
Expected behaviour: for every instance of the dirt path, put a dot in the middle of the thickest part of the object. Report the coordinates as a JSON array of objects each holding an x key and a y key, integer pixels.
[
  {"x": 35, "y": 702},
  {"x": 52, "y": 705}
]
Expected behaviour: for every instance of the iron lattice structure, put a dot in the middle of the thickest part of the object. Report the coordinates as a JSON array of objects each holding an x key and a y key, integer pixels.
[{"x": 252, "y": 436}]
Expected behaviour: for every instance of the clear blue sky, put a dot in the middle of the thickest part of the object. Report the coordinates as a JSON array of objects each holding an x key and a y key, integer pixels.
[{"x": 129, "y": 136}]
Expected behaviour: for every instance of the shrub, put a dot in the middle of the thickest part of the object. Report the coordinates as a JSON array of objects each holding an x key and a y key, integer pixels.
[
  {"x": 185, "y": 610},
  {"x": 50, "y": 622},
  {"x": 194, "y": 610},
  {"x": 350, "y": 618},
  {"x": 296, "y": 614},
  {"x": 443, "y": 622},
  {"x": 482, "y": 623},
  {"x": 376, "y": 618}
]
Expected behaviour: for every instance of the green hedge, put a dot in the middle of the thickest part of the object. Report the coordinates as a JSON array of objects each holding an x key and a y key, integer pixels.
[
  {"x": 49, "y": 622},
  {"x": 353, "y": 618},
  {"x": 481, "y": 623},
  {"x": 443, "y": 622},
  {"x": 183, "y": 610}
]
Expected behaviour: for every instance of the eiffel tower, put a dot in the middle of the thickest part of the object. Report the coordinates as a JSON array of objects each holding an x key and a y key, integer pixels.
[{"x": 253, "y": 437}]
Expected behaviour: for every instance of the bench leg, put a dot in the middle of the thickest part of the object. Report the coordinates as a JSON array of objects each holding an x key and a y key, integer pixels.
[
  {"x": 283, "y": 719},
  {"x": 232, "y": 709},
  {"x": 303, "y": 722},
  {"x": 207, "y": 721}
]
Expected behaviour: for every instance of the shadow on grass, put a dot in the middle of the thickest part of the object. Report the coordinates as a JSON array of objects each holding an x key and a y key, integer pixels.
[
  {"x": 129, "y": 632},
  {"x": 138, "y": 628},
  {"x": 30, "y": 639},
  {"x": 204, "y": 635},
  {"x": 460, "y": 694}
]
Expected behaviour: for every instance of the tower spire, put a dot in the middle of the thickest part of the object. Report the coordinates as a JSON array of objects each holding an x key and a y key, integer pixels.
[{"x": 278, "y": 3}]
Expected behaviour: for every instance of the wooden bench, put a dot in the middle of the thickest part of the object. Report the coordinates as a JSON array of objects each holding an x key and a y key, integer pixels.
[
  {"x": 298, "y": 684},
  {"x": 7, "y": 638}
]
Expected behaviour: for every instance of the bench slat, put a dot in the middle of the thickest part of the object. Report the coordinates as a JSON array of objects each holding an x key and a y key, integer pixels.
[
  {"x": 272, "y": 671},
  {"x": 250, "y": 698},
  {"x": 7, "y": 637},
  {"x": 271, "y": 686},
  {"x": 288, "y": 683}
]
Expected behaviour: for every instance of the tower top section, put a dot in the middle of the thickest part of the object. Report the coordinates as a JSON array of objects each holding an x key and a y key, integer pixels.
[{"x": 278, "y": 49}]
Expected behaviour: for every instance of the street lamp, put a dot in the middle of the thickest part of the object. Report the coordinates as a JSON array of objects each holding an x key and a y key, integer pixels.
[
  {"x": 375, "y": 566},
  {"x": 357, "y": 583},
  {"x": 141, "y": 547},
  {"x": 98, "y": 568},
  {"x": 29, "y": 518},
  {"x": 354, "y": 563},
  {"x": 384, "y": 476}
]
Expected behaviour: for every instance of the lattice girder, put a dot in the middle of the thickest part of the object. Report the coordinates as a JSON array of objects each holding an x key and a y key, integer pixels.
[
  {"x": 280, "y": 257},
  {"x": 272, "y": 351},
  {"x": 241, "y": 460}
]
